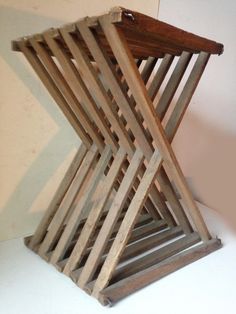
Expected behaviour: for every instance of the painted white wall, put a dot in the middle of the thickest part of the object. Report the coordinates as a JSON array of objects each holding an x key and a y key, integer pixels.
[
  {"x": 37, "y": 143},
  {"x": 206, "y": 141}
]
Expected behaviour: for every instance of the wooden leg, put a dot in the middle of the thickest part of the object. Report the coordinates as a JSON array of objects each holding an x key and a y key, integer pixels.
[
  {"x": 57, "y": 199},
  {"x": 63, "y": 209},
  {"x": 74, "y": 219},
  {"x": 127, "y": 224}
]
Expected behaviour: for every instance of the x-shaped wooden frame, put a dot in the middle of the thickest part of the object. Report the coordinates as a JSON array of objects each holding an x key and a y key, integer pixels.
[{"x": 103, "y": 95}]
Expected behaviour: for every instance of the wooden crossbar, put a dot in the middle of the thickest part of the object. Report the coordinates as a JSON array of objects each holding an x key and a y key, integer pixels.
[{"x": 116, "y": 223}]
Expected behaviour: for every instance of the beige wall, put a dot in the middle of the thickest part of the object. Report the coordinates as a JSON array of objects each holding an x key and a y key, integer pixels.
[
  {"x": 206, "y": 141},
  {"x": 37, "y": 143}
]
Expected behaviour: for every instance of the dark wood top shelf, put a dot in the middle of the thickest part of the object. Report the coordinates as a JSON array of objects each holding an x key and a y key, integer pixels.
[{"x": 146, "y": 36}]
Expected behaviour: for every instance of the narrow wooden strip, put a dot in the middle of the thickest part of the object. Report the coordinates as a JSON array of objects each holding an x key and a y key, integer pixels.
[
  {"x": 125, "y": 59},
  {"x": 70, "y": 195},
  {"x": 145, "y": 226},
  {"x": 74, "y": 219},
  {"x": 102, "y": 195},
  {"x": 111, "y": 220},
  {"x": 127, "y": 224},
  {"x": 55, "y": 92},
  {"x": 141, "y": 229},
  {"x": 173, "y": 200},
  {"x": 110, "y": 75},
  {"x": 58, "y": 196},
  {"x": 91, "y": 77},
  {"x": 186, "y": 95},
  {"x": 145, "y": 244},
  {"x": 147, "y": 230},
  {"x": 155, "y": 257},
  {"x": 108, "y": 71},
  {"x": 148, "y": 68},
  {"x": 160, "y": 76},
  {"x": 125, "y": 287},
  {"x": 173, "y": 84},
  {"x": 80, "y": 91},
  {"x": 64, "y": 87}
]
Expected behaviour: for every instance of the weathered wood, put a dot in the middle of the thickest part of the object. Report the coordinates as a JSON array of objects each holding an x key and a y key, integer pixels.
[
  {"x": 101, "y": 196},
  {"x": 58, "y": 197},
  {"x": 125, "y": 287},
  {"x": 55, "y": 92},
  {"x": 58, "y": 219},
  {"x": 127, "y": 224},
  {"x": 121, "y": 51},
  {"x": 108, "y": 226},
  {"x": 74, "y": 219},
  {"x": 65, "y": 88},
  {"x": 111, "y": 219},
  {"x": 172, "y": 84}
]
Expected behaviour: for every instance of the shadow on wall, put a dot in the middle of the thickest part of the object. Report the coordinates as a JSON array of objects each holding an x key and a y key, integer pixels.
[
  {"x": 15, "y": 217},
  {"x": 207, "y": 154}
]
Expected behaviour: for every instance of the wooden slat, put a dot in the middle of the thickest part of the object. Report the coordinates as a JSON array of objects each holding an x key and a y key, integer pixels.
[
  {"x": 111, "y": 220},
  {"x": 80, "y": 90},
  {"x": 65, "y": 89},
  {"x": 160, "y": 76},
  {"x": 68, "y": 199},
  {"x": 85, "y": 199},
  {"x": 109, "y": 73},
  {"x": 155, "y": 257},
  {"x": 90, "y": 76},
  {"x": 186, "y": 95},
  {"x": 125, "y": 287},
  {"x": 55, "y": 92},
  {"x": 101, "y": 196},
  {"x": 127, "y": 224},
  {"x": 173, "y": 84},
  {"x": 121, "y": 98},
  {"x": 145, "y": 244},
  {"x": 125, "y": 59},
  {"x": 58, "y": 197},
  {"x": 145, "y": 226}
]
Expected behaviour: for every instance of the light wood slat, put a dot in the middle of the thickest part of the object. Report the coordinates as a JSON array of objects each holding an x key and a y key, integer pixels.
[
  {"x": 160, "y": 76},
  {"x": 186, "y": 95},
  {"x": 58, "y": 196},
  {"x": 145, "y": 244},
  {"x": 155, "y": 257},
  {"x": 90, "y": 76},
  {"x": 102, "y": 195},
  {"x": 119, "y": 290},
  {"x": 80, "y": 90},
  {"x": 121, "y": 98},
  {"x": 67, "y": 201},
  {"x": 114, "y": 83},
  {"x": 173, "y": 84},
  {"x": 111, "y": 220},
  {"x": 125, "y": 230},
  {"x": 86, "y": 198},
  {"x": 55, "y": 92},
  {"x": 172, "y": 198},
  {"x": 148, "y": 69},
  {"x": 109, "y": 73},
  {"x": 144, "y": 226},
  {"x": 162, "y": 177},
  {"x": 67, "y": 66},
  {"x": 65, "y": 89},
  {"x": 125, "y": 59}
]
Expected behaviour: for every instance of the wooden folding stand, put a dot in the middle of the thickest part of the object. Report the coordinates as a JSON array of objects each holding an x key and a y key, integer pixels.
[{"x": 124, "y": 81}]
